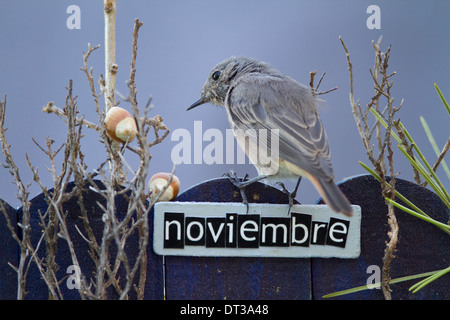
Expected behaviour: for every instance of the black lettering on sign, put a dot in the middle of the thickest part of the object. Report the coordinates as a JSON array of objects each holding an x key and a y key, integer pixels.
[
  {"x": 195, "y": 231},
  {"x": 319, "y": 232},
  {"x": 337, "y": 232},
  {"x": 173, "y": 230},
  {"x": 215, "y": 232},
  {"x": 301, "y": 227},
  {"x": 275, "y": 232},
  {"x": 231, "y": 230},
  {"x": 252, "y": 231},
  {"x": 248, "y": 230}
]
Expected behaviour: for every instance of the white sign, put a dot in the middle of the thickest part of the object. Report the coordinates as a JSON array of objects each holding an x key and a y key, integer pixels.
[{"x": 226, "y": 230}]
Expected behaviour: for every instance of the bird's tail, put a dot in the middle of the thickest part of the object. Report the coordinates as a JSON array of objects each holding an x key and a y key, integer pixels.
[{"x": 332, "y": 196}]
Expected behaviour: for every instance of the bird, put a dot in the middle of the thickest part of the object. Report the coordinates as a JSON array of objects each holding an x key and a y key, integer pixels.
[{"x": 258, "y": 97}]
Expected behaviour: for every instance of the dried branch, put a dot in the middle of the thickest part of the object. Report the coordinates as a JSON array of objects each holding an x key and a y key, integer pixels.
[
  {"x": 441, "y": 155},
  {"x": 315, "y": 89},
  {"x": 382, "y": 88},
  {"x": 114, "y": 268},
  {"x": 22, "y": 195},
  {"x": 356, "y": 109},
  {"x": 51, "y": 108},
  {"x": 89, "y": 75},
  {"x": 110, "y": 53}
]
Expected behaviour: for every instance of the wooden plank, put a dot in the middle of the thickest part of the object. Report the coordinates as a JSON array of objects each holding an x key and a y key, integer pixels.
[
  {"x": 9, "y": 252},
  {"x": 236, "y": 278},
  {"x": 421, "y": 246}
]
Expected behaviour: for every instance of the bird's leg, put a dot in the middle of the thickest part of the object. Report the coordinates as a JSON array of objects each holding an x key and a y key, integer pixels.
[
  {"x": 283, "y": 188},
  {"x": 292, "y": 194},
  {"x": 242, "y": 184}
]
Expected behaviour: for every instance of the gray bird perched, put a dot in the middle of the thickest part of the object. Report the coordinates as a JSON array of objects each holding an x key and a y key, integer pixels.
[{"x": 257, "y": 97}]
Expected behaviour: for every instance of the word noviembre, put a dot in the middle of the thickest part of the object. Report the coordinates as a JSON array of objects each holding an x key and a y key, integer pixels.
[{"x": 252, "y": 231}]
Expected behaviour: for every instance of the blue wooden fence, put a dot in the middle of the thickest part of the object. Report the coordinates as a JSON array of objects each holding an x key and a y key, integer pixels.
[{"x": 421, "y": 248}]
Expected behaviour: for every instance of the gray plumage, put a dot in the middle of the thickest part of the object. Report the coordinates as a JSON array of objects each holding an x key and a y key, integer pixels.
[{"x": 259, "y": 97}]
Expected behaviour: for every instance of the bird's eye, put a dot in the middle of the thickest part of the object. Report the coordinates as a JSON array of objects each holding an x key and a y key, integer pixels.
[{"x": 215, "y": 75}]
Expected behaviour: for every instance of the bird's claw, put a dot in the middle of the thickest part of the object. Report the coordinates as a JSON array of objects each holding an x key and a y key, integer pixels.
[
  {"x": 291, "y": 195},
  {"x": 238, "y": 183}
]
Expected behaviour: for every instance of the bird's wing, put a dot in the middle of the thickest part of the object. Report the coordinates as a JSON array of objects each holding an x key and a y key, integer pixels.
[{"x": 268, "y": 102}]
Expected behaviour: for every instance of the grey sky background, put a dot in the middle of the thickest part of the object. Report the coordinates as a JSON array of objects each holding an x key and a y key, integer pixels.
[{"x": 181, "y": 41}]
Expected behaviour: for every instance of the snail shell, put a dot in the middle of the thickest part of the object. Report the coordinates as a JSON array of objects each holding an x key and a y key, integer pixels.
[
  {"x": 158, "y": 181},
  {"x": 120, "y": 125}
]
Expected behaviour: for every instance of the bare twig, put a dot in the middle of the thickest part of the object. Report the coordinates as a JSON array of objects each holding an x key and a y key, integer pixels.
[
  {"x": 107, "y": 249},
  {"x": 442, "y": 155},
  {"x": 315, "y": 89},
  {"x": 382, "y": 87},
  {"x": 51, "y": 108},
  {"x": 23, "y": 197},
  {"x": 408, "y": 147},
  {"x": 110, "y": 53}
]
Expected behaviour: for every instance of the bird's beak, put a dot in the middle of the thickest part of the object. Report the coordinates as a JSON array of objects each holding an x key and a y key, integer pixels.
[{"x": 200, "y": 101}]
